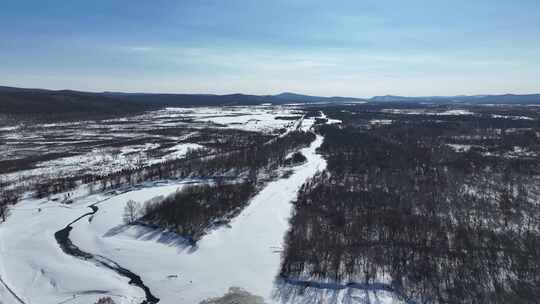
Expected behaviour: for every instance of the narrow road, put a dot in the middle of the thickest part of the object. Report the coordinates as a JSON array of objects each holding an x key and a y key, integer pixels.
[{"x": 62, "y": 237}]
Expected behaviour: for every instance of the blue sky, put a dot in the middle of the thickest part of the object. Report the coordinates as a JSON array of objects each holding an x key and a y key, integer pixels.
[{"x": 354, "y": 48}]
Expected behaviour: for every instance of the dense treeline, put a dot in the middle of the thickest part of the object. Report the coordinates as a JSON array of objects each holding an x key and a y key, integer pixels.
[
  {"x": 65, "y": 104},
  {"x": 250, "y": 160},
  {"x": 195, "y": 209},
  {"x": 8, "y": 197},
  {"x": 214, "y": 141},
  {"x": 405, "y": 144},
  {"x": 26, "y": 163},
  {"x": 21, "y": 100},
  {"x": 397, "y": 205}
]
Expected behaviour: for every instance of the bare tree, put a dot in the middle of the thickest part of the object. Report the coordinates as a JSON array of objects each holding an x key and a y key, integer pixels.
[
  {"x": 131, "y": 211},
  {"x": 4, "y": 201},
  {"x": 4, "y": 211},
  {"x": 105, "y": 300}
]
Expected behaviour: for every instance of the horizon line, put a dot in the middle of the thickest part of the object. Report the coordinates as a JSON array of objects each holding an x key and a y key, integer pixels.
[{"x": 262, "y": 95}]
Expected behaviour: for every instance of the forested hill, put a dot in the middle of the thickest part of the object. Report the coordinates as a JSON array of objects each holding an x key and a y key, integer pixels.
[
  {"x": 33, "y": 101},
  {"x": 158, "y": 99},
  {"x": 37, "y": 101},
  {"x": 40, "y": 101},
  {"x": 473, "y": 99},
  {"x": 229, "y": 99}
]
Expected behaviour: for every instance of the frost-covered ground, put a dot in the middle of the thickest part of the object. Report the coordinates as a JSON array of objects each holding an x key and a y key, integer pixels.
[
  {"x": 102, "y": 147},
  {"x": 246, "y": 255},
  {"x": 254, "y": 118},
  {"x": 428, "y": 112},
  {"x": 241, "y": 259},
  {"x": 37, "y": 270}
]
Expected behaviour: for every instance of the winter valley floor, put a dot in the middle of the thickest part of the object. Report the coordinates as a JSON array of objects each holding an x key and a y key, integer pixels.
[{"x": 325, "y": 203}]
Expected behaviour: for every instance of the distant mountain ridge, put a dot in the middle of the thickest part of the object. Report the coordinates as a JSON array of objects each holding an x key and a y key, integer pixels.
[
  {"x": 39, "y": 101},
  {"x": 28, "y": 101},
  {"x": 293, "y": 97},
  {"x": 473, "y": 99},
  {"x": 33, "y": 101},
  {"x": 231, "y": 99}
]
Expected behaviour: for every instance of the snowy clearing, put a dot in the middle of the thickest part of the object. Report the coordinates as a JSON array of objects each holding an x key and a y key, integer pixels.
[
  {"x": 246, "y": 255},
  {"x": 428, "y": 112},
  {"x": 107, "y": 146}
]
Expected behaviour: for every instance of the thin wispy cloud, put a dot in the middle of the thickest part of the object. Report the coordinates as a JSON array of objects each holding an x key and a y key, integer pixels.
[{"x": 348, "y": 48}]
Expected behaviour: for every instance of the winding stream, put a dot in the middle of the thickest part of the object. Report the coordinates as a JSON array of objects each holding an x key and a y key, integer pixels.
[
  {"x": 62, "y": 237},
  {"x": 246, "y": 254}
]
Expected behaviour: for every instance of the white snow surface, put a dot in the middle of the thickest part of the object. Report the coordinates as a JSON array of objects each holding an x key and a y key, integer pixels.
[
  {"x": 381, "y": 122},
  {"x": 459, "y": 147},
  {"x": 104, "y": 161},
  {"x": 428, "y": 112},
  {"x": 251, "y": 118},
  {"x": 330, "y": 121},
  {"x": 84, "y": 146},
  {"x": 38, "y": 271},
  {"x": 512, "y": 117},
  {"x": 246, "y": 255}
]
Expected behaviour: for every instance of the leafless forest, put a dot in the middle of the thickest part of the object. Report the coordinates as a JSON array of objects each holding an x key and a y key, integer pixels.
[{"x": 440, "y": 206}]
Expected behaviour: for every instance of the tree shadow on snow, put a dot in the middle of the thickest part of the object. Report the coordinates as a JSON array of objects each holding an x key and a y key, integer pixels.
[
  {"x": 310, "y": 292},
  {"x": 143, "y": 232}
]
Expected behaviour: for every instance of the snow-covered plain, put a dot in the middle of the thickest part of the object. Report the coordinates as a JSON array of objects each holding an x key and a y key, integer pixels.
[
  {"x": 38, "y": 271},
  {"x": 512, "y": 117},
  {"x": 106, "y": 146},
  {"x": 380, "y": 122},
  {"x": 460, "y": 148},
  {"x": 246, "y": 255},
  {"x": 254, "y": 118},
  {"x": 428, "y": 112},
  {"x": 330, "y": 121},
  {"x": 35, "y": 269}
]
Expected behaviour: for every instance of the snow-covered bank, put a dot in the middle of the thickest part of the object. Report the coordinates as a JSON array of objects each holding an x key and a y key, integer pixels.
[
  {"x": 246, "y": 255},
  {"x": 38, "y": 271}
]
